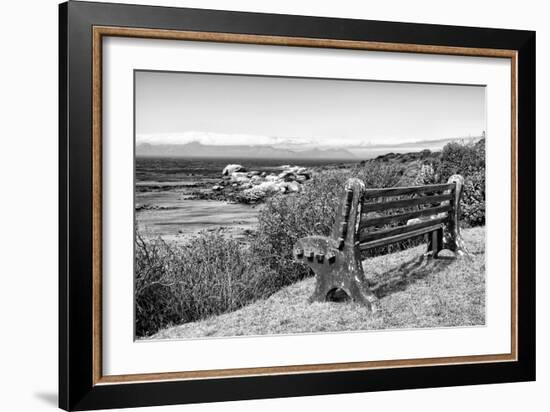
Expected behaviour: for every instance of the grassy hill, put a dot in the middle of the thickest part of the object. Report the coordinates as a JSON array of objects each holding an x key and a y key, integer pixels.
[{"x": 414, "y": 292}]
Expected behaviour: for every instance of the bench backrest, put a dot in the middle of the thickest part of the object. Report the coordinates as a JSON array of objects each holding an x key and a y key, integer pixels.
[{"x": 369, "y": 218}]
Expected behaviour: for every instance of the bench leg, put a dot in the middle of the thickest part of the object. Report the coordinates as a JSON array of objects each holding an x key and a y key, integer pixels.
[
  {"x": 335, "y": 269},
  {"x": 435, "y": 243},
  {"x": 452, "y": 239}
]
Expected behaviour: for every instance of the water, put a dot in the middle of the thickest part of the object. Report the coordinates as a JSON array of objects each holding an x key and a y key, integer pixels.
[{"x": 166, "y": 205}]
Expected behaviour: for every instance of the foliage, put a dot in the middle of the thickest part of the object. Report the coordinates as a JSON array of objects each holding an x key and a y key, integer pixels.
[
  {"x": 212, "y": 275},
  {"x": 467, "y": 160},
  {"x": 414, "y": 292},
  {"x": 473, "y": 199},
  {"x": 285, "y": 219},
  {"x": 209, "y": 276}
]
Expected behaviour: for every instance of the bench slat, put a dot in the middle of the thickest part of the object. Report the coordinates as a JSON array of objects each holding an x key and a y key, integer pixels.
[
  {"x": 397, "y": 191},
  {"x": 403, "y": 203},
  {"x": 383, "y": 233},
  {"x": 376, "y": 221},
  {"x": 397, "y": 238}
]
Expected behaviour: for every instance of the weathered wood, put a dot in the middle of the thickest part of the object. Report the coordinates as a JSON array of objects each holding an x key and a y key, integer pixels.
[
  {"x": 397, "y": 191},
  {"x": 341, "y": 231},
  {"x": 452, "y": 239},
  {"x": 392, "y": 231},
  {"x": 397, "y": 238},
  {"x": 336, "y": 260},
  {"x": 342, "y": 268},
  {"x": 435, "y": 243},
  {"x": 383, "y": 220},
  {"x": 404, "y": 203}
]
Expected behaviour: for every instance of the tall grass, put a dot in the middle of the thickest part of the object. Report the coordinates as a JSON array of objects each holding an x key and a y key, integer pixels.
[{"x": 209, "y": 276}]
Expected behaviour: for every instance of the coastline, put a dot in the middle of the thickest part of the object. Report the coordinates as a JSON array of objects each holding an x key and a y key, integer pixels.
[{"x": 176, "y": 199}]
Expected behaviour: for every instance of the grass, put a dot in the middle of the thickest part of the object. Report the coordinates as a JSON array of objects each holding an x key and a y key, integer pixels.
[
  {"x": 414, "y": 292},
  {"x": 209, "y": 276}
]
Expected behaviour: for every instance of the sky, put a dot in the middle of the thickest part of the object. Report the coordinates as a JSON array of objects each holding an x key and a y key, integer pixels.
[{"x": 298, "y": 113}]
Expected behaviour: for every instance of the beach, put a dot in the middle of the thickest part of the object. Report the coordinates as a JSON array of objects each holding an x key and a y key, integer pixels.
[{"x": 174, "y": 198}]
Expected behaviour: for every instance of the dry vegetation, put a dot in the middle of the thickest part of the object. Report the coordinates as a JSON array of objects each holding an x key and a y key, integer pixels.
[
  {"x": 414, "y": 292},
  {"x": 191, "y": 285}
]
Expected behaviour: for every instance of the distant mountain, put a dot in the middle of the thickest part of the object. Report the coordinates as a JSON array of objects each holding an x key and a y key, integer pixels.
[{"x": 196, "y": 149}]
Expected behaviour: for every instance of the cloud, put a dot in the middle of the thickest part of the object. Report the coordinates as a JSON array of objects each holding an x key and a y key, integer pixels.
[
  {"x": 223, "y": 139},
  {"x": 291, "y": 143},
  {"x": 215, "y": 139}
]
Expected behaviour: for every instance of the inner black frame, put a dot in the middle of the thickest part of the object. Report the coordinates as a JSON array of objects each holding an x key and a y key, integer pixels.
[{"x": 76, "y": 388}]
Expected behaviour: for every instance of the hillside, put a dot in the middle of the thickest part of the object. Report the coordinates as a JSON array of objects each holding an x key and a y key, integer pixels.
[{"x": 414, "y": 292}]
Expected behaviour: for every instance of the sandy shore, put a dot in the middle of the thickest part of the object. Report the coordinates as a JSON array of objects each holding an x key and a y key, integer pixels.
[{"x": 170, "y": 215}]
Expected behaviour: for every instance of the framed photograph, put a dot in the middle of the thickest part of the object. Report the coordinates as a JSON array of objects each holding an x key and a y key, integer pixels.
[{"x": 256, "y": 205}]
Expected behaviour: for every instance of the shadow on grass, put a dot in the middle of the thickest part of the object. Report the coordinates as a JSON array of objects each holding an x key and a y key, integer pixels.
[{"x": 400, "y": 277}]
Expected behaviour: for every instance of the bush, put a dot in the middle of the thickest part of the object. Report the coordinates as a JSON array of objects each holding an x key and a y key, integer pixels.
[
  {"x": 285, "y": 219},
  {"x": 213, "y": 275},
  {"x": 473, "y": 199},
  {"x": 464, "y": 159},
  {"x": 467, "y": 160},
  {"x": 209, "y": 276}
]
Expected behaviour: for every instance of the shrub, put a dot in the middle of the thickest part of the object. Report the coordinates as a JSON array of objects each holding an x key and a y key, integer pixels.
[
  {"x": 461, "y": 158},
  {"x": 209, "y": 276},
  {"x": 473, "y": 199},
  {"x": 469, "y": 161},
  {"x": 285, "y": 219},
  {"x": 213, "y": 275},
  {"x": 374, "y": 174}
]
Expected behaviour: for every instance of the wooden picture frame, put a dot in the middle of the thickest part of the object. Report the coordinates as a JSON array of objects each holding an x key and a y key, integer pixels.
[{"x": 82, "y": 385}]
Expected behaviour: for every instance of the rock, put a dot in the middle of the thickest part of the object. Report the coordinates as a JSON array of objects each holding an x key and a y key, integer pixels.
[
  {"x": 263, "y": 189},
  {"x": 252, "y": 186},
  {"x": 294, "y": 187},
  {"x": 256, "y": 180},
  {"x": 287, "y": 176},
  {"x": 147, "y": 206},
  {"x": 232, "y": 168},
  {"x": 240, "y": 177}
]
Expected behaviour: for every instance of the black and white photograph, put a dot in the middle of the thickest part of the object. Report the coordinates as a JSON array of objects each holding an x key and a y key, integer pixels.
[{"x": 282, "y": 205}]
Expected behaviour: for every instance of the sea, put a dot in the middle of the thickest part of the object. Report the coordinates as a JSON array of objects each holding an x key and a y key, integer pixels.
[{"x": 165, "y": 205}]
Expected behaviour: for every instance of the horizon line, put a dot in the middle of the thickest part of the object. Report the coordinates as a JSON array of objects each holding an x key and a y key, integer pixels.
[{"x": 320, "y": 146}]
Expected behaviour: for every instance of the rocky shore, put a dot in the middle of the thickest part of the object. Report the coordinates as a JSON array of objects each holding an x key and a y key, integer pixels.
[{"x": 237, "y": 184}]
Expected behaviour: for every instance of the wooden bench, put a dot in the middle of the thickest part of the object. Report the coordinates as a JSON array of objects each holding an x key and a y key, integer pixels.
[{"x": 372, "y": 218}]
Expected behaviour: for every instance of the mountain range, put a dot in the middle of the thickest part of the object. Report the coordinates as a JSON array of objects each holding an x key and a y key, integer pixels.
[{"x": 196, "y": 149}]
